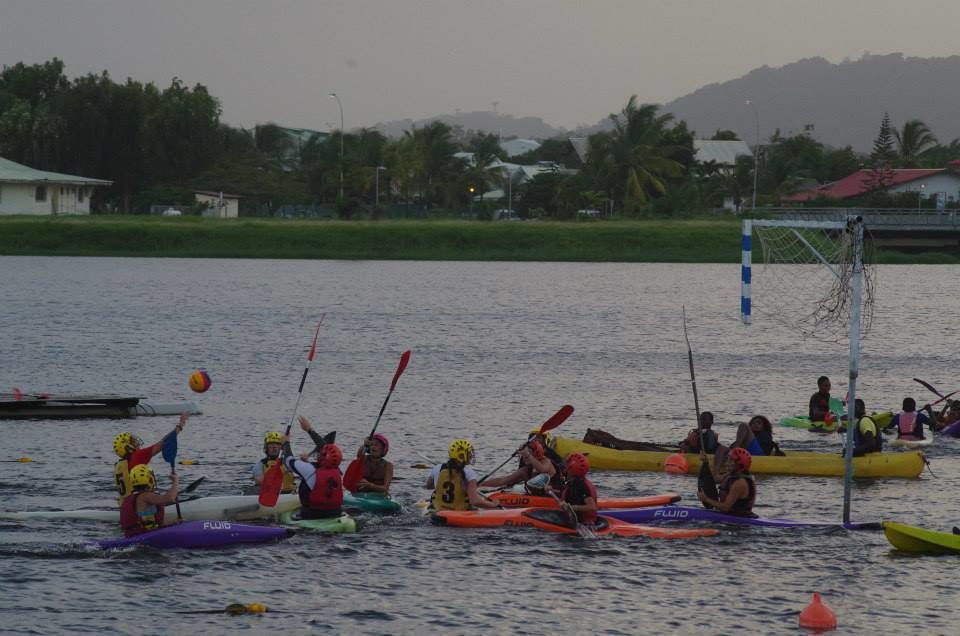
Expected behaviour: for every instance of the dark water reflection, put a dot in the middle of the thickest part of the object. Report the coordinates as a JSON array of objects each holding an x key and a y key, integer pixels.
[{"x": 497, "y": 348}]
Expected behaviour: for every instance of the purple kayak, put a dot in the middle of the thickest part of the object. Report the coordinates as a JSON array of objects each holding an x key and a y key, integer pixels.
[
  {"x": 952, "y": 429},
  {"x": 687, "y": 514},
  {"x": 198, "y": 534}
]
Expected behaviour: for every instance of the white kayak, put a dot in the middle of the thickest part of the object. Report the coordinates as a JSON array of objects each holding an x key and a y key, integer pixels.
[
  {"x": 232, "y": 507},
  {"x": 910, "y": 443}
]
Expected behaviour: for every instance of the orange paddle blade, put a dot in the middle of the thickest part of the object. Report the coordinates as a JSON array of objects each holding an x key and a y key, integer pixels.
[
  {"x": 271, "y": 486},
  {"x": 353, "y": 475}
]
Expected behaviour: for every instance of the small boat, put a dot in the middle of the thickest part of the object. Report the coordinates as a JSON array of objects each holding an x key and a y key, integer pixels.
[
  {"x": 689, "y": 514},
  {"x": 343, "y": 523},
  {"x": 882, "y": 419},
  {"x": 909, "y": 442},
  {"x": 370, "y": 502},
  {"x": 20, "y": 407},
  {"x": 198, "y": 534},
  {"x": 522, "y": 500},
  {"x": 555, "y": 520},
  {"x": 233, "y": 507},
  {"x": 907, "y": 464},
  {"x": 920, "y": 541}
]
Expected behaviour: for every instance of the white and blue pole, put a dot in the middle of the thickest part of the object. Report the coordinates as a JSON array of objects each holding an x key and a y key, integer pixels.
[{"x": 746, "y": 275}]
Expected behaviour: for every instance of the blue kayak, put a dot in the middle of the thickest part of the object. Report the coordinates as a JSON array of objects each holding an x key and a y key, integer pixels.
[
  {"x": 688, "y": 514},
  {"x": 198, "y": 534}
]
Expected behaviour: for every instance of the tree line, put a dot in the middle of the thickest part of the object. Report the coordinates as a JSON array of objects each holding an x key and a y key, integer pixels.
[{"x": 158, "y": 145}]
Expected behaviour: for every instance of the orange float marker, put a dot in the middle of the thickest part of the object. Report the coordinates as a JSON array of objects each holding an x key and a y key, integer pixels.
[
  {"x": 816, "y": 615},
  {"x": 676, "y": 464}
]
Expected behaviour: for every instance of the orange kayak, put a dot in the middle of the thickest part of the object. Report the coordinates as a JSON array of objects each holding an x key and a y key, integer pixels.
[
  {"x": 522, "y": 500},
  {"x": 554, "y": 520}
]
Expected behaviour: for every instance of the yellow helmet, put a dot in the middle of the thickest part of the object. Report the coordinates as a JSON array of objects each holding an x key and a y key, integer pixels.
[
  {"x": 125, "y": 442},
  {"x": 272, "y": 437},
  {"x": 142, "y": 476},
  {"x": 462, "y": 451}
]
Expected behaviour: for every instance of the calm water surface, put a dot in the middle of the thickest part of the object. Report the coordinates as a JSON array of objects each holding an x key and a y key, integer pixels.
[{"x": 497, "y": 348}]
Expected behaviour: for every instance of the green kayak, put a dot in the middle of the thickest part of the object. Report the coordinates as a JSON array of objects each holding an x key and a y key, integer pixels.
[
  {"x": 921, "y": 541},
  {"x": 802, "y": 421},
  {"x": 343, "y": 523},
  {"x": 369, "y": 502}
]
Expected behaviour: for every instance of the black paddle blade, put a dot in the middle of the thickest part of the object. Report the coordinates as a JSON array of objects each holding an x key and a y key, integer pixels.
[{"x": 706, "y": 482}]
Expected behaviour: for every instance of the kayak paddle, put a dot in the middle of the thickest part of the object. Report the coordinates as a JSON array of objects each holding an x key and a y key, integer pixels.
[
  {"x": 553, "y": 422},
  {"x": 169, "y": 451},
  {"x": 273, "y": 478},
  {"x": 581, "y": 529},
  {"x": 355, "y": 470}
]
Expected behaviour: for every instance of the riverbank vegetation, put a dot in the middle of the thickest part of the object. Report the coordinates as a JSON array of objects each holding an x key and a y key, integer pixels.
[
  {"x": 160, "y": 145},
  {"x": 662, "y": 240}
]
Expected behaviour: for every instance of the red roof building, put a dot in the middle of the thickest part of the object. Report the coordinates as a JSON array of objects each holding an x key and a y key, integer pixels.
[{"x": 928, "y": 181}]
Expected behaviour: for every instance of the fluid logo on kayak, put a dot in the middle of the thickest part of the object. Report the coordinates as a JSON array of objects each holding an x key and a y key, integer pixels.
[
  {"x": 672, "y": 514},
  {"x": 517, "y": 523},
  {"x": 515, "y": 501},
  {"x": 216, "y": 525}
]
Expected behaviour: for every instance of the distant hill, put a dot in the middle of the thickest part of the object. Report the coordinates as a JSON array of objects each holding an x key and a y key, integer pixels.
[
  {"x": 844, "y": 102},
  {"x": 484, "y": 121}
]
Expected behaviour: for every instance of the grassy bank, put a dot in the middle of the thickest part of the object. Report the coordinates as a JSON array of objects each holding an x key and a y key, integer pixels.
[{"x": 670, "y": 241}]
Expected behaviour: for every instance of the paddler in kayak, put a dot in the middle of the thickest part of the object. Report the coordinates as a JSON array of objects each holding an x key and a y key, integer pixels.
[
  {"x": 735, "y": 488},
  {"x": 710, "y": 440},
  {"x": 377, "y": 471},
  {"x": 579, "y": 495},
  {"x": 909, "y": 423},
  {"x": 539, "y": 465},
  {"x": 142, "y": 510},
  {"x": 820, "y": 401},
  {"x": 947, "y": 415},
  {"x": 321, "y": 483},
  {"x": 866, "y": 435},
  {"x": 129, "y": 448},
  {"x": 454, "y": 483},
  {"x": 272, "y": 444}
]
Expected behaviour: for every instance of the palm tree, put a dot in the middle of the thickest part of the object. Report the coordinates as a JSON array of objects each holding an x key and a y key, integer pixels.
[
  {"x": 638, "y": 156},
  {"x": 913, "y": 143}
]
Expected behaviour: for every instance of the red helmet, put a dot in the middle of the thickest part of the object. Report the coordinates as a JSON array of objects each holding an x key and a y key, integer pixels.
[
  {"x": 578, "y": 465},
  {"x": 331, "y": 456},
  {"x": 536, "y": 448},
  {"x": 383, "y": 440},
  {"x": 740, "y": 458}
]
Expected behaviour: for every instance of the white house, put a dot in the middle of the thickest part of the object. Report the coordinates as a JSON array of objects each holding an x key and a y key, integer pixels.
[
  {"x": 24, "y": 190},
  {"x": 514, "y": 147},
  {"x": 219, "y": 205}
]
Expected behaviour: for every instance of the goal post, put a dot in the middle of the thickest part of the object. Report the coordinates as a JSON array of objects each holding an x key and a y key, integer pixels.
[{"x": 818, "y": 280}]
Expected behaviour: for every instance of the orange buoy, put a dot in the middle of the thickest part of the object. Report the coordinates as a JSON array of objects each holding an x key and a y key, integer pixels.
[
  {"x": 676, "y": 464},
  {"x": 816, "y": 615}
]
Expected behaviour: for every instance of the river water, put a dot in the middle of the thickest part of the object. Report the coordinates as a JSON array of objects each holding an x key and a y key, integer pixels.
[{"x": 497, "y": 348}]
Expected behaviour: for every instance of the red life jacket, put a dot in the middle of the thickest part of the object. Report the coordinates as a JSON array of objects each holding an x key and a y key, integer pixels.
[
  {"x": 327, "y": 492},
  {"x": 908, "y": 422},
  {"x": 132, "y": 523}
]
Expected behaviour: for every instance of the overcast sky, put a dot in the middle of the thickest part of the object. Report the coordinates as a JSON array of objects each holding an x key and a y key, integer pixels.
[{"x": 566, "y": 61}]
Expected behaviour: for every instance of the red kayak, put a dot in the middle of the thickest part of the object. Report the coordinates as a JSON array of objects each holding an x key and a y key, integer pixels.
[
  {"x": 554, "y": 520},
  {"x": 522, "y": 500}
]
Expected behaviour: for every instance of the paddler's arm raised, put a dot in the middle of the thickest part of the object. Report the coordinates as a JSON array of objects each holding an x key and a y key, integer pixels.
[{"x": 156, "y": 448}]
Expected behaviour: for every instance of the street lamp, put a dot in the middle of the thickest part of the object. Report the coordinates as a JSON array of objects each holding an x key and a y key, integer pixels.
[
  {"x": 377, "y": 180},
  {"x": 920, "y": 195},
  {"x": 334, "y": 96},
  {"x": 756, "y": 150}
]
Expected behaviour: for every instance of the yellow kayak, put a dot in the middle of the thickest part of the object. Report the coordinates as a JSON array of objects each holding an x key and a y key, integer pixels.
[
  {"x": 906, "y": 464},
  {"x": 913, "y": 539}
]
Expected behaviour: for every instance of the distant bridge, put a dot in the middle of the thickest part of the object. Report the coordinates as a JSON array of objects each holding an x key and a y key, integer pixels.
[{"x": 899, "y": 228}]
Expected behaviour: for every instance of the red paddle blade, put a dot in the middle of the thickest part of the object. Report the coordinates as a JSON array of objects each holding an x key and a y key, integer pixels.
[
  {"x": 404, "y": 360},
  {"x": 271, "y": 486},
  {"x": 353, "y": 475},
  {"x": 557, "y": 418}
]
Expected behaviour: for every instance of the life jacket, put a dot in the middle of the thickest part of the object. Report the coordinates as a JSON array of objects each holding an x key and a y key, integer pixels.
[
  {"x": 863, "y": 426},
  {"x": 743, "y": 507},
  {"x": 576, "y": 492},
  {"x": 908, "y": 423},
  {"x": 327, "y": 492},
  {"x": 450, "y": 491},
  {"x": 375, "y": 470},
  {"x": 121, "y": 477},
  {"x": 765, "y": 439},
  {"x": 269, "y": 463},
  {"x": 133, "y": 522}
]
